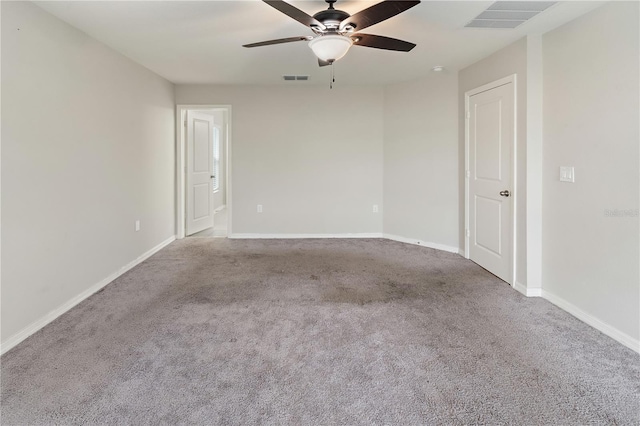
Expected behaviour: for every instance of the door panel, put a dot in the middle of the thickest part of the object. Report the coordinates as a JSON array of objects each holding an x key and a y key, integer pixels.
[
  {"x": 491, "y": 136},
  {"x": 200, "y": 201},
  {"x": 201, "y": 144},
  {"x": 487, "y": 140},
  {"x": 488, "y": 213},
  {"x": 199, "y": 172}
]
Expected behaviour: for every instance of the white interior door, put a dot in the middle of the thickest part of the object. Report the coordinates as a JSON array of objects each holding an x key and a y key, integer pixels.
[
  {"x": 491, "y": 136},
  {"x": 199, "y": 197}
]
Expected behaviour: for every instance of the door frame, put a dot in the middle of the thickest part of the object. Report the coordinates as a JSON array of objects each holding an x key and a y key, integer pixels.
[
  {"x": 181, "y": 165},
  {"x": 514, "y": 166}
]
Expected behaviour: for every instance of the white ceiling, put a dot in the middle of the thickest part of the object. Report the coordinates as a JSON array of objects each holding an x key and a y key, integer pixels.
[{"x": 201, "y": 41}]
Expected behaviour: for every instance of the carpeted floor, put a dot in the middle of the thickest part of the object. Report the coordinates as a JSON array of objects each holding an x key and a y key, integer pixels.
[{"x": 216, "y": 331}]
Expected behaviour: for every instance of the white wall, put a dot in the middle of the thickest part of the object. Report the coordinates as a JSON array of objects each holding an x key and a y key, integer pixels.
[
  {"x": 87, "y": 148},
  {"x": 421, "y": 171},
  {"x": 590, "y": 260},
  {"x": 510, "y": 60},
  {"x": 312, "y": 157}
]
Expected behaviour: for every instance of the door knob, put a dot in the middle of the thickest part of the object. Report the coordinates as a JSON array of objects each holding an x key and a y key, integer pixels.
[
  {"x": 505, "y": 193},
  {"x": 212, "y": 177}
]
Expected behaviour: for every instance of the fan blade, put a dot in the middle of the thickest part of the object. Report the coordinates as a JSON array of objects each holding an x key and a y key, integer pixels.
[
  {"x": 278, "y": 41},
  {"x": 322, "y": 63},
  {"x": 295, "y": 13},
  {"x": 380, "y": 42},
  {"x": 378, "y": 13}
]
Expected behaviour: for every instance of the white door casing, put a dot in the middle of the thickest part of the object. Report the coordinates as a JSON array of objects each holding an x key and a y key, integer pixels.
[
  {"x": 490, "y": 178},
  {"x": 199, "y": 194}
]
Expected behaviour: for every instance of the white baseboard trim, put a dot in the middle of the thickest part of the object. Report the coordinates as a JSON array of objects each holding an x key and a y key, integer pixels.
[
  {"x": 589, "y": 319},
  {"x": 614, "y": 333},
  {"x": 362, "y": 235},
  {"x": 534, "y": 292},
  {"x": 413, "y": 241},
  {"x": 21, "y": 335},
  {"x": 300, "y": 236},
  {"x": 521, "y": 288},
  {"x": 529, "y": 292}
]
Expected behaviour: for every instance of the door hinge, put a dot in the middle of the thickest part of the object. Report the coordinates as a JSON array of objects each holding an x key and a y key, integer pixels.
[
  {"x": 468, "y": 174},
  {"x": 468, "y": 114},
  {"x": 468, "y": 233}
]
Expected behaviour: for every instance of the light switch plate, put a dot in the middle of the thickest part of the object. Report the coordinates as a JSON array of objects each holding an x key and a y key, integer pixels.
[{"x": 567, "y": 174}]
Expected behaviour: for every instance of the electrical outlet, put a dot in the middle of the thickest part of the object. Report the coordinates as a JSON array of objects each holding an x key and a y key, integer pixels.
[
  {"x": 567, "y": 174},
  {"x": 259, "y": 208},
  {"x": 375, "y": 208},
  {"x": 137, "y": 225}
]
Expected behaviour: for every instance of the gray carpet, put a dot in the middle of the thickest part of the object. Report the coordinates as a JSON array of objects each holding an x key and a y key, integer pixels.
[{"x": 215, "y": 331}]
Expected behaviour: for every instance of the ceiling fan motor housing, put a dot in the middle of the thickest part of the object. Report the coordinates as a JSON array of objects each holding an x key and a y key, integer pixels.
[{"x": 331, "y": 18}]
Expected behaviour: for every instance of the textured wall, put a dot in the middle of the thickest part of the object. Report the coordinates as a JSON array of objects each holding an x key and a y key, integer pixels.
[
  {"x": 87, "y": 149},
  {"x": 312, "y": 157},
  {"x": 421, "y": 175},
  {"x": 590, "y": 227}
]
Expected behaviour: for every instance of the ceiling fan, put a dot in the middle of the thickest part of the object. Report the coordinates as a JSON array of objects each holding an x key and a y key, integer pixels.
[{"x": 336, "y": 30}]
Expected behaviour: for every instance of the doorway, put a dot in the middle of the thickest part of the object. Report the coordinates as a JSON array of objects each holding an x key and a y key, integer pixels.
[
  {"x": 490, "y": 175},
  {"x": 203, "y": 170}
]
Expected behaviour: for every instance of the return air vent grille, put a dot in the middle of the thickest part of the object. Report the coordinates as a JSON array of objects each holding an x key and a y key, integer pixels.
[
  {"x": 295, "y": 77},
  {"x": 509, "y": 14}
]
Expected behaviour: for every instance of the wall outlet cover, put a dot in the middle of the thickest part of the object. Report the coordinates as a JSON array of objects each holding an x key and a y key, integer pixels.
[{"x": 567, "y": 174}]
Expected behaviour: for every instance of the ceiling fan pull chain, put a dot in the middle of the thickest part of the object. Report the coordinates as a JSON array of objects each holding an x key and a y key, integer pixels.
[
  {"x": 333, "y": 75},
  {"x": 331, "y": 78}
]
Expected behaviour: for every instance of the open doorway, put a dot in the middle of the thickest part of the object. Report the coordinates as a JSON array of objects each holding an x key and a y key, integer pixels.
[{"x": 203, "y": 170}]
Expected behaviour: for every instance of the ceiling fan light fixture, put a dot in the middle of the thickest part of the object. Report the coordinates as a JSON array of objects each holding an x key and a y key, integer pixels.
[{"x": 330, "y": 47}]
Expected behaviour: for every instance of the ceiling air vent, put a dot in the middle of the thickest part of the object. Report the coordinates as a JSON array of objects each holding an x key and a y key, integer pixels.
[
  {"x": 509, "y": 14},
  {"x": 295, "y": 77}
]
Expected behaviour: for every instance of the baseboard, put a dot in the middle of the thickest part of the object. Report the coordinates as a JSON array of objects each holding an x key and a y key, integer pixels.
[
  {"x": 361, "y": 235},
  {"x": 529, "y": 292},
  {"x": 521, "y": 288},
  {"x": 14, "y": 340},
  {"x": 534, "y": 292},
  {"x": 300, "y": 236},
  {"x": 413, "y": 241},
  {"x": 614, "y": 333}
]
